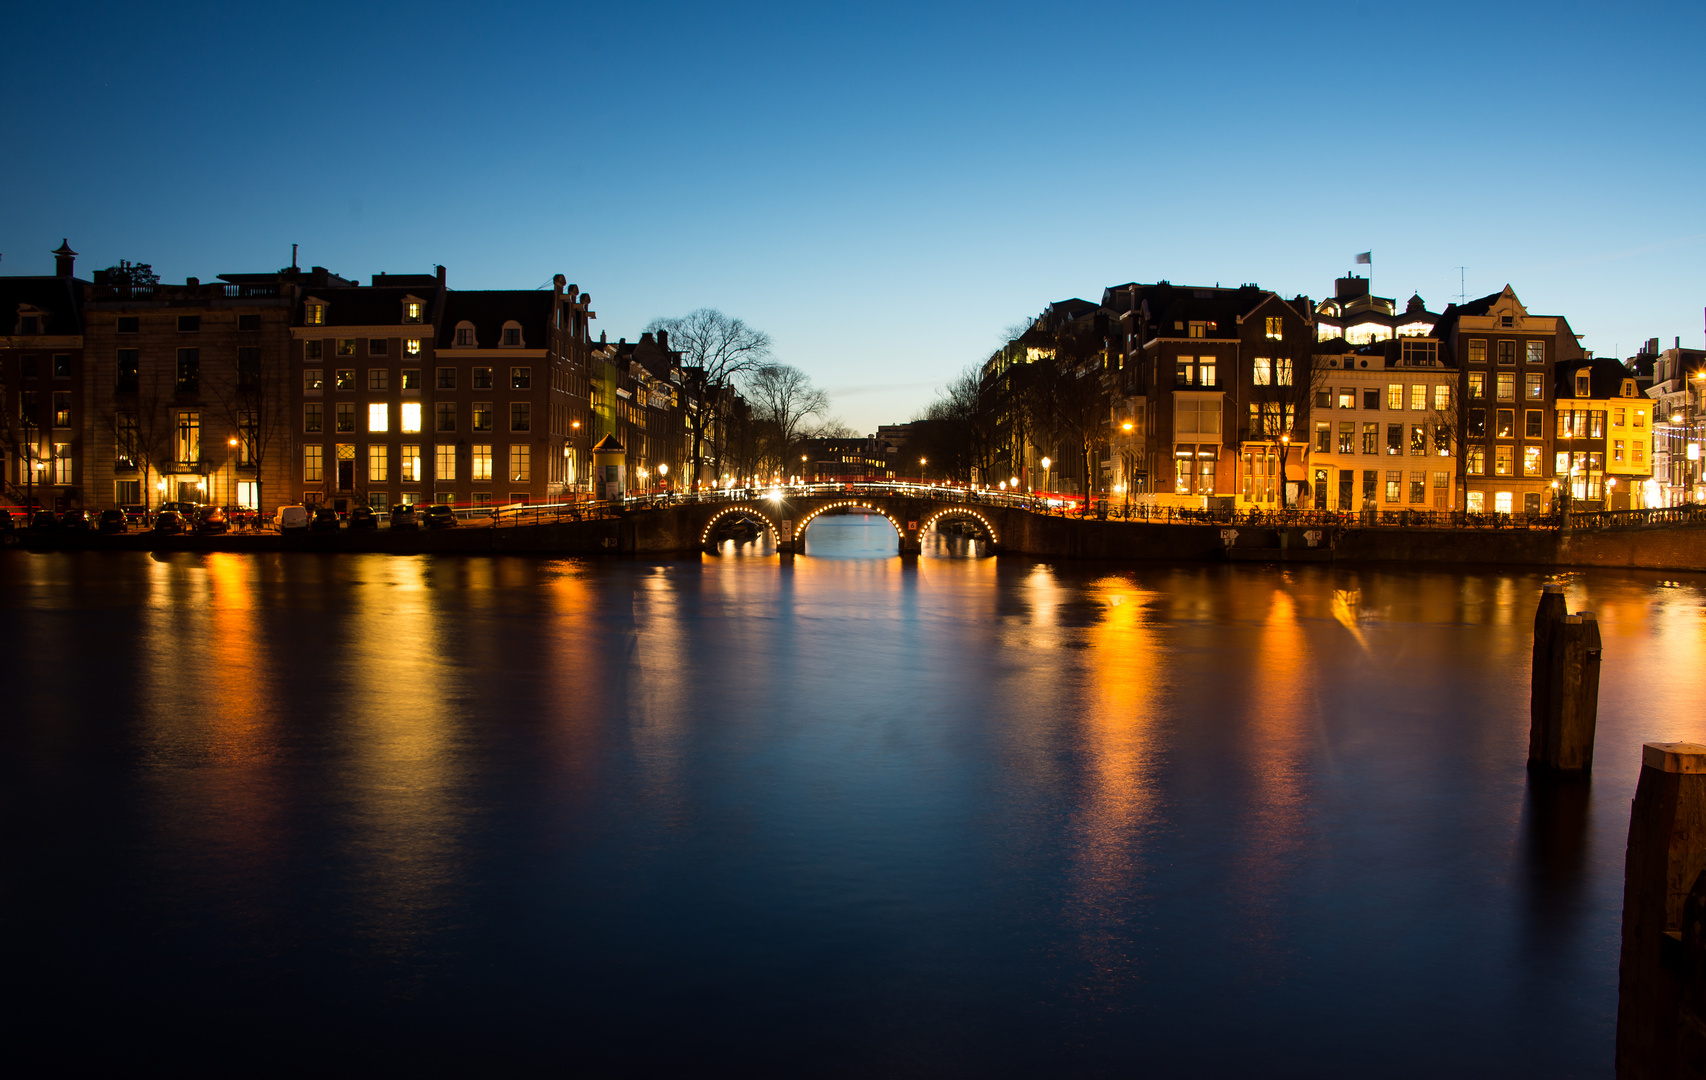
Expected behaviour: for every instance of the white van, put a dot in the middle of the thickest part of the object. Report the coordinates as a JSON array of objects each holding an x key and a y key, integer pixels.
[{"x": 292, "y": 517}]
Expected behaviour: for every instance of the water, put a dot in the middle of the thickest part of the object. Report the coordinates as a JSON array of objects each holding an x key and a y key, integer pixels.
[{"x": 847, "y": 816}]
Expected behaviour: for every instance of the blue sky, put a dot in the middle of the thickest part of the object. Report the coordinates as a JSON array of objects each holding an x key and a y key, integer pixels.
[{"x": 881, "y": 187}]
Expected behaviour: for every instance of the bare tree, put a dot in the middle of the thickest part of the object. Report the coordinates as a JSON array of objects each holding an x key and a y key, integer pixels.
[
  {"x": 783, "y": 397},
  {"x": 253, "y": 401},
  {"x": 715, "y": 351}
]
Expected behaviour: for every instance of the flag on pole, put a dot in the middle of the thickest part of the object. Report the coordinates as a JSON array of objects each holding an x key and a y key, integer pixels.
[{"x": 1366, "y": 259}]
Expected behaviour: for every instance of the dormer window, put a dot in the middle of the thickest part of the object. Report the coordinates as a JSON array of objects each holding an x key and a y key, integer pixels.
[
  {"x": 511, "y": 335},
  {"x": 465, "y": 335},
  {"x": 413, "y": 311},
  {"x": 1276, "y": 328},
  {"x": 1201, "y": 329},
  {"x": 314, "y": 315},
  {"x": 1584, "y": 384},
  {"x": 1628, "y": 387},
  {"x": 1506, "y": 320},
  {"x": 29, "y": 324}
]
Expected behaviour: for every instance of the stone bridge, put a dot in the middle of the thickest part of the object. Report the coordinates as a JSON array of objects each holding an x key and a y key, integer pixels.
[{"x": 788, "y": 513}]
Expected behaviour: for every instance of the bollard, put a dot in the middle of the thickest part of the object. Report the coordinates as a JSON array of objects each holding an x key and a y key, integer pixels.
[
  {"x": 1564, "y": 687},
  {"x": 1667, "y": 852}
]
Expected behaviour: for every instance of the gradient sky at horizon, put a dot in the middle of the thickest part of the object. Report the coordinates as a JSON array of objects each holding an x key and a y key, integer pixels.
[{"x": 882, "y": 187}]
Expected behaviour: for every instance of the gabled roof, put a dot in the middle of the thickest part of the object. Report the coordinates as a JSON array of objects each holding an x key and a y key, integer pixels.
[
  {"x": 489, "y": 309},
  {"x": 1447, "y": 322},
  {"x": 1605, "y": 380},
  {"x": 59, "y": 299},
  {"x": 365, "y": 306}
]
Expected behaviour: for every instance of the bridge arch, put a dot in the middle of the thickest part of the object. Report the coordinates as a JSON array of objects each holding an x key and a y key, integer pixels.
[
  {"x": 960, "y": 511},
  {"x": 842, "y": 504},
  {"x": 745, "y": 510}
]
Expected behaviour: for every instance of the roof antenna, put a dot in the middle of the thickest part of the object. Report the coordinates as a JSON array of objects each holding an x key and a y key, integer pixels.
[
  {"x": 293, "y": 256},
  {"x": 1462, "y": 296}
]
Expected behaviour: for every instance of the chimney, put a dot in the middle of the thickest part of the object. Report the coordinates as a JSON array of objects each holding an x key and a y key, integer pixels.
[
  {"x": 663, "y": 339},
  {"x": 441, "y": 277},
  {"x": 63, "y": 259}
]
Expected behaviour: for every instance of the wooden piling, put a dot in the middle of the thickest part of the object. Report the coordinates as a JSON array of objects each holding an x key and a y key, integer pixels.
[
  {"x": 1564, "y": 687},
  {"x": 1547, "y": 616},
  {"x": 1666, "y": 854}
]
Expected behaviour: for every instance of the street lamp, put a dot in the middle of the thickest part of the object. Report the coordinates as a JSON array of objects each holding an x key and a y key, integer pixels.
[
  {"x": 1047, "y": 485},
  {"x": 230, "y": 471}
]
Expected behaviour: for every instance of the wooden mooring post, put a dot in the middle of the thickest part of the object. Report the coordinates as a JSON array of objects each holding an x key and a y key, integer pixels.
[
  {"x": 1661, "y": 977},
  {"x": 1564, "y": 687}
]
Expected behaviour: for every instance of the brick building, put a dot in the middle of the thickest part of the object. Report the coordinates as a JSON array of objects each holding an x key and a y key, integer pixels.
[
  {"x": 1383, "y": 427},
  {"x": 43, "y": 449}
]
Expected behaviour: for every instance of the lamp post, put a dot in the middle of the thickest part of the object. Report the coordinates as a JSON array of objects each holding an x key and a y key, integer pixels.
[
  {"x": 663, "y": 474},
  {"x": 1285, "y": 445},
  {"x": 230, "y": 472},
  {"x": 1048, "y": 481},
  {"x": 29, "y": 465}
]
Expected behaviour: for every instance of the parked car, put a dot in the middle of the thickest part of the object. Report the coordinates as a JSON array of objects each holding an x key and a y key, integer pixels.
[
  {"x": 211, "y": 519},
  {"x": 439, "y": 517},
  {"x": 403, "y": 517},
  {"x": 185, "y": 510},
  {"x": 6, "y": 521},
  {"x": 363, "y": 517},
  {"x": 44, "y": 521},
  {"x": 325, "y": 520},
  {"x": 75, "y": 521},
  {"x": 292, "y": 517},
  {"x": 112, "y": 521},
  {"x": 169, "y": 521},
  {"x": 135, "y": 516},
  {"x": 243, "y": 517}
]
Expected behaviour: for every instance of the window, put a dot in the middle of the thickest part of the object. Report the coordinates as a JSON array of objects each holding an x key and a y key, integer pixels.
[
  {"x": 1537, "y": 353},
  {"x": 512, "y": 336},
  {"x": 248, "y": 322},
  {"x": 1531, "y": 463},
  {"x": 248, "y": 368},
  {"x": 482, "y": 378},
  {"x": 1584, "y": 384},
  {"x": 346, "y": 346},
  {"x": 1198, "y": 329},
  {"x": 1502, "y": 499},
  {"x": 411, "y": 378},
  {"x": 1477, "y": 351},
  {"x": 129, "y": 324},
  {"x": 345, "y": 378},
  {"x": 1532, "y": 422},
  {"x": 1532, "y": 390},
  {"x": 313, "y": 417},
  {"x": 1617, "y": 451},
  {"x": 520, "y": 416},
  {"x": 1419, "y": 353},
  {"x": 412, "y": 347},
  {"x": 126, "y": 443},
  {"x": 311, "y": 381},
  {"x": 1418, "y": 488},
  {"x": 1476, "y": 502},
  {"x": 409, "y": 418},
  {"x": 1507, "y": 386},
  {"x": 1506, "y": 426},
  {"x": 520, "y": 378},
  {"x": 189, "y": 324},
  {"x": 189, "y": 371},
  {"x": 314, "y": 314},
  {"x": 378, "y": 463},
  {"x": 1640, "y": 418},
  {"x": 62, "y": 463},
  {"x": 378, "y": 346},
  {"x": 1347, "y": 397},
  {"x": 1323, "y": 437},
  {"x": 1394, "y": 480},
  {"x": 186, "y": 440},
  {"x": 1507, "y": 353},
  {"x": 127, "y": 492},
  {"x": 378, "y": 417},
  {"x": 1478, "y": 423},
  {"x": 1282, "y": 371},
  {"x": 378, "y": 378},
  {"x": 344, "y": 418},
  {"x": 1394, "y": 438},
  {"x": 446, "y": 416},
  {"x": 1347, "y": 437},
  {"x": 1395, "y": 397},
  {"x": 1477, "y": 385},
  {"x": 465, "y": 336},
  {"x": 1193, "y": 417},
  {"x": 27, "y": 366},
  {"x": 1640, "y": 449},
  {"x": 1619, "y": 417},
  {"x": 1596, "y": 425},
  {"x": 1561, "y": 463},
  {"x": 1371, "y": 438},
  {"x": 447, "y": 378},
  {"x": 1418, "y": 398},
  {"x": 1442, "y": 398},
  {"x": 410, "y": 463},
  {"x": 1205, "y": 371},
  {"x": 1477, "y": 461},
  {"x": 1370, "y": 399},
  {"x": 520, "y": 463},
  {"x": 1442, "y": 441},
  {"x": 413, "y": 311},
  {"x": 482, "y": 461},
  {"x": 482, "y": 499},
  {"x": 61, "y": 365},
  {"x": 444, "y": 462},
  {"x": 1502, "y": 458},
  {"x": 379, "y": 501},
  {"x": 482, "y": 416},
  {"x": 1262, "y": 372},
  {"x": 1418, "y": 441},
  {"x": 128, "y": 364}
]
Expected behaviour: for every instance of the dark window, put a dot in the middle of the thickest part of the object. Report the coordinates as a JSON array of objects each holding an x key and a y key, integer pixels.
[
  {"x": 345, "y": 416},
  {"x": 1507, "y": 353},
  {"x": 1477, "y": 423},
  {"x": 1371, "y": 399},
  {"x": 520, "y": 416},
  {"x": 29, "y": 324},
  {"x": 378, "y": 346},
  {"x": 27, "y": 406},
  {"x": 446, "y": 416},
  {"x": 189, "y": 324},
  {"x": 1531, "y": 424},
  {"x": 447, "y": 378},
  {"x": 127, "y": 367},
  {"x": 1506, "y": 424},
  {"x": 313, "y": 419},
  {"x": 482, "y": 378},
  {"x": 520, "y": 378},
  {"x": 248, "y": 322},
  {"x": 512, "y": 336},
  {"x": 1394, "y": 438},
  {"x": 189, "y": 371},
  {"x": 248, "y": 368},
  {"x": 61, "y": 366},
  {"x": 27, "y": 366},
  {"x": 129, "y": 324}
]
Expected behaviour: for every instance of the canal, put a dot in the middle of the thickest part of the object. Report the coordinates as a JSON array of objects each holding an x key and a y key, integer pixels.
[{"x": 846, "y": 815}]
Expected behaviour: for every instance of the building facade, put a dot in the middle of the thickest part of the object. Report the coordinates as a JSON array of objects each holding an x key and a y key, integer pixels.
[
  {"x": 1382, "y": 428},
  {"x": 1604, "y": 437},
  {"x": 43, "y": 418},
  {"x": 1678, "y": 392}
]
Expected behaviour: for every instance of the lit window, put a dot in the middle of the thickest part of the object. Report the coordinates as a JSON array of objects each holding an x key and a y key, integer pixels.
[
  {"x": 1584, "y": 384},
  {"x": 1262, "y": 373},
  {"x": 1478, "y": 351},
  {"x": 1442, "y": 398},
  {"x": 444, "y": 461},
  {"x": 1617, "y": 450},
  {"x": 410, "y": 463},
  {"x": 1640, "y": 418},
  {"x": 1418, "y": 440},
  {"x": 1395, "y": 397},
  {"x": 1275, "y": 328},
  {"x": 482, "y": 457},
  {"x": 1536, "y": 353},
  {"x": 378, "y": 463},
  {"x": 1371, "y": 438},
  {"x": 1531, "y": 460},
  {"x": 410, "y": 418},
  {"x": 1477, "y": 461},
  {"x": 1282, "y": 371},
  {"x": 1532, "y": 387},
  {"x": 378, "y": 416},
  {"x": 1618, "y": 417},
  {"x": 1507, "y": 386},
  {"x": 1476, "y": 502},
  {"x": 520, "y": 463},
  {"x": 346, "y": 346},
  {"x": 1418, "y": 398},
  {"x": 412, "y": 346},
  {"x": 315, "y": 315},
  {"x": 1477, "y": 385},
  {"x": 413, "y": 311},
  {"x": 1502, "y": 459},
  {"x": 1394, "y": 481},
  {"x": 1418, "y": 487},
  {"x": 482, "y": 416},
  {"x": 311, "y": 465},
  {"x": 1502, "y": 499}
]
